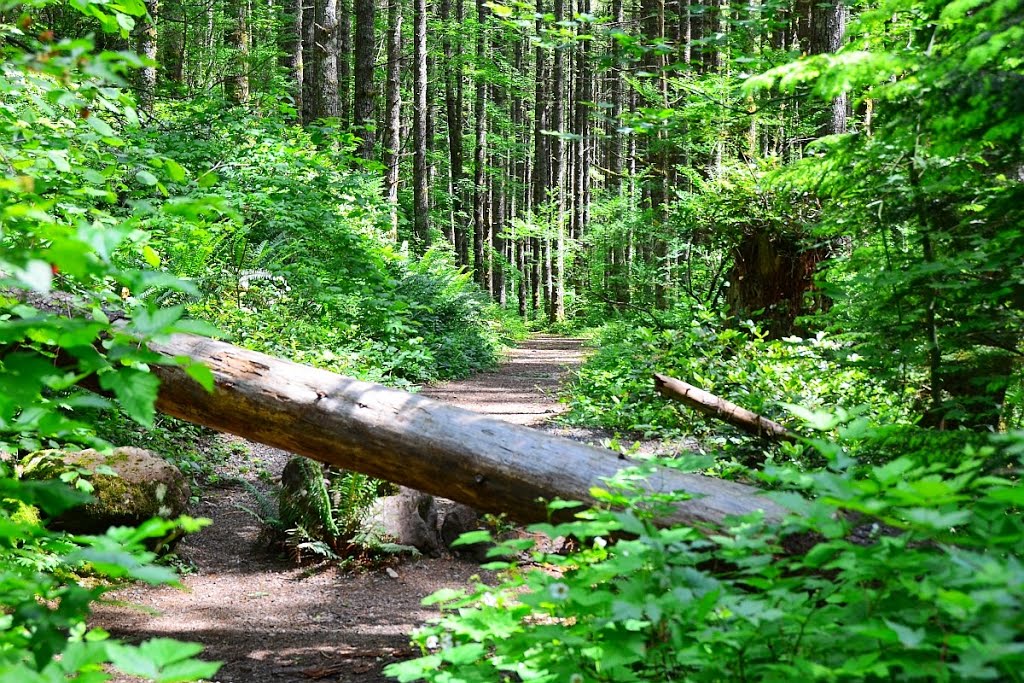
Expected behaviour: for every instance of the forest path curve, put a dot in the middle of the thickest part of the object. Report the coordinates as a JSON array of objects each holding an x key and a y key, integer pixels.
[
  {"x": 524, "y": 388},
  {"x": 272, "y": 622}
]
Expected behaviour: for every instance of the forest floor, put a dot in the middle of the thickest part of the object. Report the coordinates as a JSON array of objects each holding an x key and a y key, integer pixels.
[{"x": 270, "y": 621}]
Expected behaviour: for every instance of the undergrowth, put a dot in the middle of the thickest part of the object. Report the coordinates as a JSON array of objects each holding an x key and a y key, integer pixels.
[{"x": 935, "y": 591}]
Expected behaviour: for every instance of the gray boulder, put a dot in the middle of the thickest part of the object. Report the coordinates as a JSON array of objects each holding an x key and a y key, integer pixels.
[
  {"x": 408, "y": 518},
  {"x": 457, "y": 519}
]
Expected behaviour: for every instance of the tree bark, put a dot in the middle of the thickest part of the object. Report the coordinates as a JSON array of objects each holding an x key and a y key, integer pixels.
[
  {"x": 309, "y": 92},
  {"x": 364, "y": 104},
  {"x": 828, "y": 31},
  {"x": 326, "y": 56},
  {"x": 146, "y": 42},
  {"x": 420, "y": 173},
  {"x": 392, "y": 151},
  {"x": 414, "y": 441},
  {"x": 236, "y": 83},
  {"x": 480, "y": 227},
  {"x": 713, "y": 406},
  {"x": 291, "y": 47},
  {"x": 174, "y": 49},
  {"x": 345, "y": 61},
  {"x": 541, "y": 161},
  {"x": 453, "y": 116}
]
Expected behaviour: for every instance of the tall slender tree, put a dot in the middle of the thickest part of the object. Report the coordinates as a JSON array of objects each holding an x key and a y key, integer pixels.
[
  {"x": 326, "y": 56},
  {"x": 364, "y": 104},
  {"x": 540, "y": 173},
  {"x": 453, "y": 115},
  {"x": 146, "y": 46},
  {"x": 556, "y": 303},
  {"x": 393, "y": 145},
  {"x": 291, "y": 48},
  {"x": 480, "y": 222},
  {"x": 309, "y": 71},
  {"x": 236, "y": 83},
  {"x": 345, "y": 61},
  {"x": 420, "y": 172}
]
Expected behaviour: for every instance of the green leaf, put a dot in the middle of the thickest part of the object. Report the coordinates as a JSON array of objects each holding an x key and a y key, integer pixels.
[
  {"x": 151, "y": 257},
  {"x": 59, "y": 157},
  {"x": 201, "y": 374},
  {"x": 908, "y": 637},
  {"x": 101, "y": 126},
  {"x": 136, "y": 392},
  {"x": 175, "y": 171},
  {"x": 473, "y": 537},
  {"x": 151, "y": 321},
  {"x": 146, "y": 178}
]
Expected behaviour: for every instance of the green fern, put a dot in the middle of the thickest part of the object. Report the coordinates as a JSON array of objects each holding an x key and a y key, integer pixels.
[
  {"x": 267, "y": 507},
  {"x": 352, "y": 495},
  {"x": 305, "y": 502}
]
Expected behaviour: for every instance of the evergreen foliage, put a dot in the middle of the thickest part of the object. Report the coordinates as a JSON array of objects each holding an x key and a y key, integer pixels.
[{"x": 810, "y": 209}]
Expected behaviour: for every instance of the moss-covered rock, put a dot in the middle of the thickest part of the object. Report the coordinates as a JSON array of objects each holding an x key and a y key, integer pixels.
[{"x": 130, "y": 485}]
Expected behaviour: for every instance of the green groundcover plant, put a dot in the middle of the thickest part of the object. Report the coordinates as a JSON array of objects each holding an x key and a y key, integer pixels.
[
  {"x": 900, "y": 571},
  {"x": 73, "y": 238}
]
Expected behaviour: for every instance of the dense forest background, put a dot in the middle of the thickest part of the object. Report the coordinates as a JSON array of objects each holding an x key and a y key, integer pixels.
[
  {"x": 812, "y": 209},
  {"x": 807, "y": 166}
]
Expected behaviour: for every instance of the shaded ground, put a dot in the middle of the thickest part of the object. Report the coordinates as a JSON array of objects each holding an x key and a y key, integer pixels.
[{"x": 271, "y": 622}]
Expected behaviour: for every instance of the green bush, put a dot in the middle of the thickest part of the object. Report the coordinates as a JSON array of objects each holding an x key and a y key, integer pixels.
[
  {"x": 297, "y": 262},
  {"x": 615, "y": 387},
  {"x": 903, "y": 571}
]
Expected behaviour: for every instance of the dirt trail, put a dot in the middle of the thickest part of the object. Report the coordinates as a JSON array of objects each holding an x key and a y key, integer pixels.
[
  {"x": 271, "y": 622},
  {"x": 524, "y": 389}
]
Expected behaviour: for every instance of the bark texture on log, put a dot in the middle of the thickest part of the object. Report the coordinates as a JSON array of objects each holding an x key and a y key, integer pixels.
[
  {"x": 716, "y": 407},
  {"x": 411, "y": 440}
]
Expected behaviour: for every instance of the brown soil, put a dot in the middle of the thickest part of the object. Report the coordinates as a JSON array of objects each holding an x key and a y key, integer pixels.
[{"x": 270, "y": 621}]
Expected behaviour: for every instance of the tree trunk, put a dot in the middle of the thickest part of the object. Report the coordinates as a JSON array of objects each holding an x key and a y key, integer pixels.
[
  {"x": 326, "y": 56},
  {"x": 392, "y": 151},
  {"x": 310, "y": 66},
  {"x": 453, "y": 116},
  {"x": 654, "y": 29},
  {"x": 364, "y": 104},
  {"x": 541, "y": 163},
  {"x": 291, "y": 47},
  {"x": 345, "y": 61},
  {"x": 556, "y": 290},
  {"x": 420, "y": 172},
  {"x": 480, "y": 157},
  {"x": 145, "y": 44},
  {"x": 174, "y": 48},
  {"x": 828, "y": 30},
  {"x": 497, "y": 224},
  {"x": 236, "y": 83},
  {"x": 411, "y": 440}
]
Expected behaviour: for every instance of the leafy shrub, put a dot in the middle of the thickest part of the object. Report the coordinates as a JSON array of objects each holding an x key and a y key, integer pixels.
[
  {"x": 931, "y": 587},
  {"x": 73, "y": 208},
  {"x": 44, "y": 602},
  {"x": 615, "y": 387},
  {"x": 298, "y": 261}
]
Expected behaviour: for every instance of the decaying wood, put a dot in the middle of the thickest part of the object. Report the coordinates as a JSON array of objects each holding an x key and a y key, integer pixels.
[
  {"x": 411, "y": 440},
  {"x": 716, "y": 407},
  {"x": 483, "y": 462}
]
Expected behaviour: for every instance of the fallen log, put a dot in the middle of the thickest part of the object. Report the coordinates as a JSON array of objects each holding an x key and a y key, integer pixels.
[
  {"x": 411, "y": 440},
  {"x": 708, "y": 404}
]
